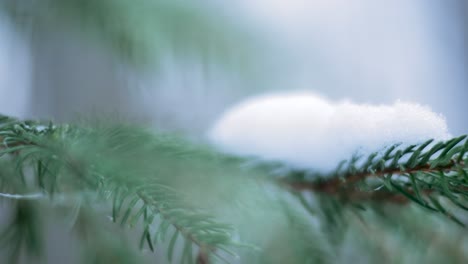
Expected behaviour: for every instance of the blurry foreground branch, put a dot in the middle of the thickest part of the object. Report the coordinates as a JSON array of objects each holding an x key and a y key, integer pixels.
[{"x": 164, "y": 186}]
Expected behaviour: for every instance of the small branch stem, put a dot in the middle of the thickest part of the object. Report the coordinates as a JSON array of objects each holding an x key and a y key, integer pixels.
[
  {"x": 336, "y": 184},
  {"x": 345, "y": 185},
  {"x": 31, "y": 196}
]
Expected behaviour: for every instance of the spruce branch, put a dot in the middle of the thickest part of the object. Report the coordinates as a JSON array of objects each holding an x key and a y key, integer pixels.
[
  {"x": 120, "y": 164},
  {"x": 335, "y": 184},
  {"x": 139, "y": 32},
  {"x": 419, "y": 173},
  {"x": 148, "y": 178},
  {"x": 24, "y": 232}
]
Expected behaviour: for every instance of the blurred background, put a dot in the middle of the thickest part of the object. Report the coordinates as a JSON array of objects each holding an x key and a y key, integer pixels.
[{"x": 177, "y": 65}]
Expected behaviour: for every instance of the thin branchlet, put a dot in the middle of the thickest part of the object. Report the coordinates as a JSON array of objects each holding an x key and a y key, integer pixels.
[
  {"x": 419, "y": 173},
  {"x": 108, "y": 161},
  {"x": 67, "y": 148},
  {"x": 337, "y": 183}
]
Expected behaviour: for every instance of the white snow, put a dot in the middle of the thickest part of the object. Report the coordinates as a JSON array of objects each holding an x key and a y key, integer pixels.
[{"x": 307, "y": 131}]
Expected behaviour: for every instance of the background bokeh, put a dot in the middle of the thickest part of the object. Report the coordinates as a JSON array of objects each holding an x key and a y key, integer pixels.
[
  {"x": 180, "y": 73},
  {"x": 367, "y": 51}
]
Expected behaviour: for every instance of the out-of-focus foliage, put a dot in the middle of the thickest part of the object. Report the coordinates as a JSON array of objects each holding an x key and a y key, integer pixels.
[
  {"x": 140, "y": 31},
  {"x": 187, "y": 202},
  {"x": 128, "y": 166}
]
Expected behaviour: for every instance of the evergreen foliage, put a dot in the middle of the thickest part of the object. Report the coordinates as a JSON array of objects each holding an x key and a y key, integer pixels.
[
  {"x": 420, "y": 173},
  {"x": 142, "y": 31},
  {"x": 116, "y": 163},
  {"x": 104, "y": 182},
  {"x": 173, "y": 191}
]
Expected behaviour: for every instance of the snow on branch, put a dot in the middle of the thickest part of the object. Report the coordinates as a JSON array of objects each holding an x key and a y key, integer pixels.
[{"x": 307, "y": 131}]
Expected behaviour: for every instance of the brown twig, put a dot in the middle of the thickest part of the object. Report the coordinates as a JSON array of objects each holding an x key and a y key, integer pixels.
[
  {"x": 345, "y": 185},
  {"x": 337, "y": 184},
  {"x": 383, "y": 196},
  {"x": 202, "y": 257}
]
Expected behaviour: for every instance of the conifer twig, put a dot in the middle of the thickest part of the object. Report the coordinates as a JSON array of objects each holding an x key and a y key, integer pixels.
[
  {"x": 336, "y": 184},
  {"x": 407, "y": 174}
]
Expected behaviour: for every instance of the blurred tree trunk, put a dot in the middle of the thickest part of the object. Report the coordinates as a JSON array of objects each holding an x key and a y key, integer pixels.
[{"x": 73, "y": 77}]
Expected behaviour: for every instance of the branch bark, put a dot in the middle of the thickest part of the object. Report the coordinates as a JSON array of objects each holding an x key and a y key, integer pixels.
[{"x": 345, "y": 185}]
